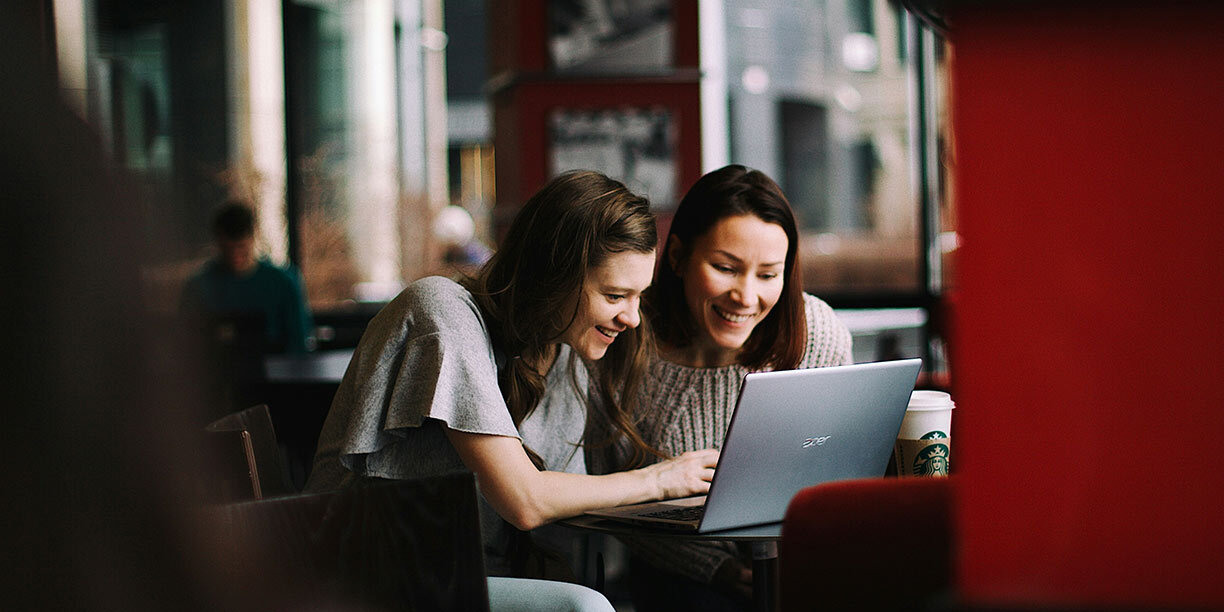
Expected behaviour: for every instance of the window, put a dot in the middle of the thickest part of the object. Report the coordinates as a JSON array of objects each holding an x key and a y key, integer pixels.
[
  {"x": 841, "y": 102},
  {"x": 819, "y": 101},
  {"x": 323, "y": 115}
]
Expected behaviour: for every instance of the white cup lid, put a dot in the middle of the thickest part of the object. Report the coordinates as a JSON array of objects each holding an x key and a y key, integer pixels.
[{"x": 930, "y": 400}]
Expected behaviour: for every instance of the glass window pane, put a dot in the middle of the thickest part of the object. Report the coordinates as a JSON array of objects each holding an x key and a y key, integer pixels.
[
  {"x": 159, "y": 86},
  {"x": 319, "y": 146}
]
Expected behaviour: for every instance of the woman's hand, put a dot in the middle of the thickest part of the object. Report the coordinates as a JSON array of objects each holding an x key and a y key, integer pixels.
[
  {"x": 685, "y": 475},
  {"x": 527, "y": 497}
]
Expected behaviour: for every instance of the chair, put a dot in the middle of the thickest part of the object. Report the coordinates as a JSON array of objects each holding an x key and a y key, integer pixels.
[
  {"x": 871, "y": 544},
  {"x": 247, "y": 456},
  {"x": 391, "y": 545}
]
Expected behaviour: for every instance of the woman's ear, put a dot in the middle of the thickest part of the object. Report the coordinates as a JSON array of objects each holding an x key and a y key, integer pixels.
[{"x": 673, "y": 253}]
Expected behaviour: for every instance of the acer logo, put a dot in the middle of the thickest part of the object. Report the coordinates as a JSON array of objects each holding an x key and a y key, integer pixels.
[{"x": 818, "y": 441}]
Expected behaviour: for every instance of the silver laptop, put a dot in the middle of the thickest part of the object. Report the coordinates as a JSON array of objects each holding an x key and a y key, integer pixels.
[{"x": 792, "y": 429}]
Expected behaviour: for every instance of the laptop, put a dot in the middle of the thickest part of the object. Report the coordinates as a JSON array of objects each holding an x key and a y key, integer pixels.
[{"x": 792, "y": 429}]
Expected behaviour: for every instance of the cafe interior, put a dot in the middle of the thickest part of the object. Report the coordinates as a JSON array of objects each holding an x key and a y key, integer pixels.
[{"x": 1028, "y": 195}]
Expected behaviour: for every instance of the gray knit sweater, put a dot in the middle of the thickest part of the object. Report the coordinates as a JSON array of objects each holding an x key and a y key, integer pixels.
[{"x": 689, "y": 408}]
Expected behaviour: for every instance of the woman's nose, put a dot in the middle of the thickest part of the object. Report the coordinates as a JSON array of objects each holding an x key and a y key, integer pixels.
[
  {"x": 630, "y": 316},
  {"x": 744, "y": 292}
]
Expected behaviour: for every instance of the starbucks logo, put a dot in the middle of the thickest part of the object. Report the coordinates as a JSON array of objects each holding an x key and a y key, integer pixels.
[
  {"x": 932, "y": 460},
  {"x": 934, "y": 435}
]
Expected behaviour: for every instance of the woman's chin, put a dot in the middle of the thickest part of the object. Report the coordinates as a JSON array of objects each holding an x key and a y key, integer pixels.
[
  {"x": 592, "y": 352},
  {"x": 730, "y": 339}
]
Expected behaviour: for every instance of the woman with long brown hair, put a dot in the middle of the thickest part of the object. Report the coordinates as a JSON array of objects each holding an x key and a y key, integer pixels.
[
  {"x": 728, "y": 299},
  {"x": 492, "y": 374}
]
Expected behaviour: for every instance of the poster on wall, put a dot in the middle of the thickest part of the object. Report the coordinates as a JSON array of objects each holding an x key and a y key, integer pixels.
[
  {"x": 633, "y": 145},
  {"x": 610, "y": 36}
]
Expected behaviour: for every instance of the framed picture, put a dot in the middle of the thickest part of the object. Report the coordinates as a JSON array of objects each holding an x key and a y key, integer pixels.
[
  {"x": 633, "y": 145},
  {"x": 610, "y": 36}
]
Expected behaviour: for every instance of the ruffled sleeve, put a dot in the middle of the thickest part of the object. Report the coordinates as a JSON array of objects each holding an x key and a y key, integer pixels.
[{"x": 424, "y": 361}]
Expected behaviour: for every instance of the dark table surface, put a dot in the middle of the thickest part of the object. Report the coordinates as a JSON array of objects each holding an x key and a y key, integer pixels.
[
  {"x": 308, "y": 368},
  {"x": 298, "y": 390}
]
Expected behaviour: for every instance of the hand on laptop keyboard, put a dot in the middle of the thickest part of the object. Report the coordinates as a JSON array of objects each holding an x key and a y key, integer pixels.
[{"x": 685, "y": 475}]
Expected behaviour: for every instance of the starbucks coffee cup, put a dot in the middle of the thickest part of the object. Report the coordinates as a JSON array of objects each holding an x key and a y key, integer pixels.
[{"x": 923, "y": 444}]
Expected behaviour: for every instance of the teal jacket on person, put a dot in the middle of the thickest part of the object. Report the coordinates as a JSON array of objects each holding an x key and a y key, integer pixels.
[{"x": 269, "y": 290}]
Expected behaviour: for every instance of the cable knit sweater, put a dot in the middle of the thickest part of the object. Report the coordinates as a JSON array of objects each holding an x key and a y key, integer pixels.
[{"x": 689, "y": 408}]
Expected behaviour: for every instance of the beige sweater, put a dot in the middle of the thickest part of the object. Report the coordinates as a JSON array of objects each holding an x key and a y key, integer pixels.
[{"x": 689, "y": 409}]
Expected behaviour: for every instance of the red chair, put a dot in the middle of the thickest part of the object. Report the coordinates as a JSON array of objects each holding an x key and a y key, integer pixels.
[{"x": 871, "y": 544}]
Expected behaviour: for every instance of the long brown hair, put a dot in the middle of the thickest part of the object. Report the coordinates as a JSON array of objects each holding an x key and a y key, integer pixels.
[
  {"x": 530, "y": 290},
  {"x": 779, "y": 340}
]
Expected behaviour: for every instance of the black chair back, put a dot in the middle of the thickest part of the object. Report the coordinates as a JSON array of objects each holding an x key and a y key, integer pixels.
[
  {"x": 245, "y": 443},
  {"x": 394, "y": 545}
]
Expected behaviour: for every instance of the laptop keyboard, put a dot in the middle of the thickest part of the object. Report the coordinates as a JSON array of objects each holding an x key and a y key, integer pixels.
[{"x": 683, "y": 513}]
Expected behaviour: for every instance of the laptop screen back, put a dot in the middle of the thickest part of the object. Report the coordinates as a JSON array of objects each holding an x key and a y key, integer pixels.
[{"x": 796, "y": 428}]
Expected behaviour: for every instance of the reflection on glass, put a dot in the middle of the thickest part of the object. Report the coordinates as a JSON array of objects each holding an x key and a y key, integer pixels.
[
  {"x": 634, "y": 146},
  {"x": 603, "y": 36}
]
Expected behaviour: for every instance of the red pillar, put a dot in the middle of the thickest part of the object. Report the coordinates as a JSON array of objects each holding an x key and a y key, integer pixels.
[{"x": 1089, "y": 148}]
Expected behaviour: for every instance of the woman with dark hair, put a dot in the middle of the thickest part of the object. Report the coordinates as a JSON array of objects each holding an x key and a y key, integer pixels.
[
  {"x": 727, "y": 300},
  {"x": 492, "y": 374}
]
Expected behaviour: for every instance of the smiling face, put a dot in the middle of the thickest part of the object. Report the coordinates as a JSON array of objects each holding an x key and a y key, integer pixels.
[
  {"x": 732, "y": 278},
  {"x": 608, "y": 302}
]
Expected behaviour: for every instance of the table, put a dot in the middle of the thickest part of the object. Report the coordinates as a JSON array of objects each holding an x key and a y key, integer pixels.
[
  {"x": 319, "y": 367},
  {"x": 299, "y": 390},
  {"x": 762, "y": 538}
]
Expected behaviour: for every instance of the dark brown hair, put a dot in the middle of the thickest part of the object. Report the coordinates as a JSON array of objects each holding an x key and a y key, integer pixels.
[
  {"x": 779, "y": 340},
  {"x": 234, "y": 220},
  {"x": 530, "y": 290}
]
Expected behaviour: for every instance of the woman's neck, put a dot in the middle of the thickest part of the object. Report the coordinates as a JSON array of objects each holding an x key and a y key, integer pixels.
[{"x": 697, "y": 356}]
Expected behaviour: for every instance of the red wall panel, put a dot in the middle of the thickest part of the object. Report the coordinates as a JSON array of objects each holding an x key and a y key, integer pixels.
[
  {"x": 525, "y": 90},
  {"x": 529, "y": 104},
  {"x": 1090, "y": 317}
]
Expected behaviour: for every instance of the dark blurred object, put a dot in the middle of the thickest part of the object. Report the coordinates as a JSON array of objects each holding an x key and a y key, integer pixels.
[
  {"x": 932, "y": 13},
  {"x": 234, "y": 346},
  {"x": 299, "y": 390},
  {"x": 341, "y": 328},
  {"x": 888, "y": 347},
  {"x": 871, "y": 544},
  {"x": 248, "y": 457},
  {"x": 104, "y": 419},
  {"x": 402, "y": 545}
]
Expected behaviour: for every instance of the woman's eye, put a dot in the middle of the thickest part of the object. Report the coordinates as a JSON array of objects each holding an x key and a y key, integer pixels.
[
  {"x": 768, "y": 276},
  {"x": 614, "y": 297},
  {"x": 722, "y": 268}
]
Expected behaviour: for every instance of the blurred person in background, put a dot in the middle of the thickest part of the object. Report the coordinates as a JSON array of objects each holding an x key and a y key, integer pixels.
[
  {"x": 238, "y": 282},
  {"x": 455, "y": 231}
]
